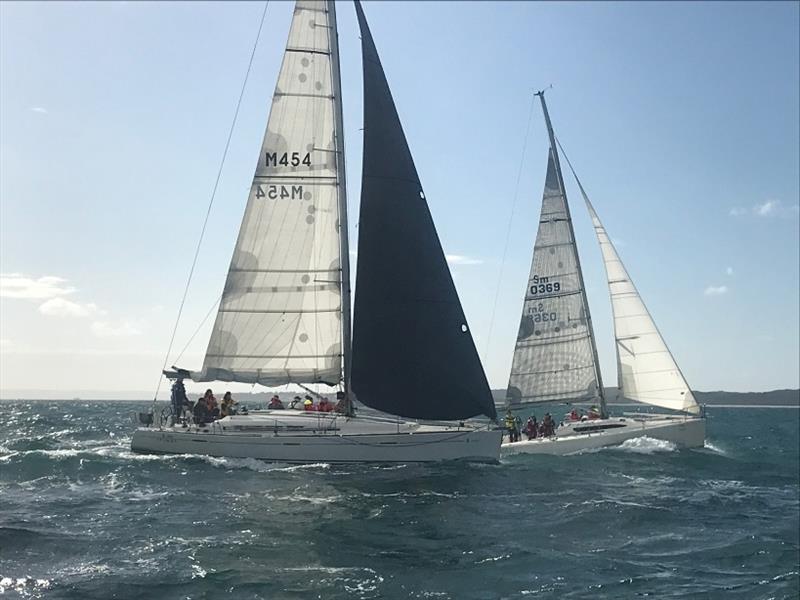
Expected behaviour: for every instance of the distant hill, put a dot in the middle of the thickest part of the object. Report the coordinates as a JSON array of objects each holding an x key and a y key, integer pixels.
[{"x": 773, "y": 398}]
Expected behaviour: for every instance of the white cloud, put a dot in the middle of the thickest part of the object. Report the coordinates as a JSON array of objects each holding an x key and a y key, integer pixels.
[
  {"x": 120, "y": 329},
  {"x": 60, "y": 307},
  {"x": 768, "y": 208},
  {"x": 457, "y": 259},
  {"x": 729, "y": 270},
  {"x": 39, "y": 109},
  {"x": 716, "y": 290},
  {"x": 15, "y": 285}
]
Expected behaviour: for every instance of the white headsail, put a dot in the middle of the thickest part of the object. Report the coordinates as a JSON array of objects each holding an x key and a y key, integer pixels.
[
  {"x": 280, "y": 316},
  {"x": 646, "y": 368}
]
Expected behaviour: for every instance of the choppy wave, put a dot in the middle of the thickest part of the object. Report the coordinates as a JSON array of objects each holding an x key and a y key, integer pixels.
[{"x": 83, "y": 517}]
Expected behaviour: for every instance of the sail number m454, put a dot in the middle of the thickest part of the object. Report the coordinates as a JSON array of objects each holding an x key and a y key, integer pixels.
[
  {"x": 294, "y": 159},
  {"x": 283, "y": 192}
]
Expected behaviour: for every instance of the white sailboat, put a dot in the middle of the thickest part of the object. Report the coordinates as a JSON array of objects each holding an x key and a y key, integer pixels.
[
  {"x": 555, "y": 358},
  {"x": 284, "y": 316}
]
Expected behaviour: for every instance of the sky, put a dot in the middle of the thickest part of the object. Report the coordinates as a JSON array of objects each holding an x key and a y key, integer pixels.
[{"x": 682, "y": 120}]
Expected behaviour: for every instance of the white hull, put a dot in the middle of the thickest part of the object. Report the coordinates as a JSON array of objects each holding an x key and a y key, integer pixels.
[
  {"x": 684, "y": 432},
  {"x": 297, "y": 437}
]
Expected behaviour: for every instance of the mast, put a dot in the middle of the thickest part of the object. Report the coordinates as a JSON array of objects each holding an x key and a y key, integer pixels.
[
  {"x": 552, "y": 136},
  {"x": 344, "y": 243},
  {"x": 593, "y": 214}
]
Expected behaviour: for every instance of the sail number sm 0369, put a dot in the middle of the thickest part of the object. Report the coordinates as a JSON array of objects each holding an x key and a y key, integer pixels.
[
  {"x": 540, "y": 314},
  {"x": 542, "y": 285}
]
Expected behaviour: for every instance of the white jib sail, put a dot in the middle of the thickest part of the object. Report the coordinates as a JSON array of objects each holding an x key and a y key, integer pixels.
[
  {"x": 647, "y": 370},
  {"x": 553, "y": 357},
  {"x": 279, "y": 319}
]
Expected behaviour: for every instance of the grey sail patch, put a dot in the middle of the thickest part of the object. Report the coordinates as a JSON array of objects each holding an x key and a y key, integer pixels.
[
  {"x": 553, "y": 356},
  {"x": 279, "y": 318},
  {"x": 413, "y": 354}
]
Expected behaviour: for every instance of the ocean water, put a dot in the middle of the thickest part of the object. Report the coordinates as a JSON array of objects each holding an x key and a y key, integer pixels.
[{"x": 81, "y": 517}]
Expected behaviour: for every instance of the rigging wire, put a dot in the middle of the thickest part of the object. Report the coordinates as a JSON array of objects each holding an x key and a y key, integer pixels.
[
  {"x": 508, "y": 230},
  {"x": 199, "y": 327},
  {"x": 211, "y": 200}
]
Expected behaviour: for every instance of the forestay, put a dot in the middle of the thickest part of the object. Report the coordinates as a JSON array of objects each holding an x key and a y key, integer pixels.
[
  {"x": 554, "y": 357},
  {"x": 279, "y": 318},
  {"x": 647, "y": 371},
  {"x": 413, "y": 354}
]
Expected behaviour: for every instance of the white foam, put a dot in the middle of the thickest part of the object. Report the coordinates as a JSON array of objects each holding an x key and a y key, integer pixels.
[
  {"x": 493, "y": 559},
  {"x": 22, "y": 584},
  {"x": 302, "y": 467},
  {"x": 296, "y": 497},
  {"x": 329, "y": 570},
  {"x": 716, "y": 449},
  {"x": 646, "y": 445},
  {"x": 253, "y": 464},
  {"x": 198, "y": 572}
]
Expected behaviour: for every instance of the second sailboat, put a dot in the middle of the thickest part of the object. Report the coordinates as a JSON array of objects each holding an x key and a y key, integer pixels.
[{"x": 555, "y": 357}]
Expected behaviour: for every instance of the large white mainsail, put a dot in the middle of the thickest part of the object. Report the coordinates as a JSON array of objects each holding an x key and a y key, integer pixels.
[
  {"x": 646, "y": 370},
  {"x": 555, "y": 357},
  {"x": 280, "y": 316}
]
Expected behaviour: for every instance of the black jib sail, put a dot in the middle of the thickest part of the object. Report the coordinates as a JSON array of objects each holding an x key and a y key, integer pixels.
[{"x": 413, "y": 354}]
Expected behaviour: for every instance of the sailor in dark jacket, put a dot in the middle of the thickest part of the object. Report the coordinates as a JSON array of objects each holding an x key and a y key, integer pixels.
[
  {"x": 201, "y": 414},
  {"x": 179, "y": 400}
]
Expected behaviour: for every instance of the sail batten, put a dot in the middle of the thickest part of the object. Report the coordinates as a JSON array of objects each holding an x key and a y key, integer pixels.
[
  {"x": 280, "y": 315},
  {"x": 413, "y": 354}
]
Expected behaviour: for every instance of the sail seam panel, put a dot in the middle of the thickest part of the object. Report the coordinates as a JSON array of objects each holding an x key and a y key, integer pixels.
[
  {"x": 284, "y": 311},
  {"x": 284, "y": 270},
  {"x": 270, "y": 356},
  {"x": 551, "y": 371}
]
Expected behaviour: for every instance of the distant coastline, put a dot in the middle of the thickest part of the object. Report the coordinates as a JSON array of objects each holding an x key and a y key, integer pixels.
[{"x": 774, "y": 398}]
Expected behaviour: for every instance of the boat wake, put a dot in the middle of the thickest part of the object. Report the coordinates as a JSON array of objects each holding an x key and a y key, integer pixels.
[
  {"x": 639, "y": 445},
  {"x": 260, "y": 466}
]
